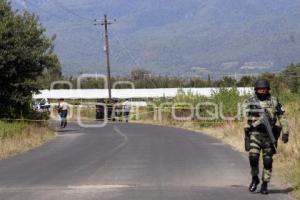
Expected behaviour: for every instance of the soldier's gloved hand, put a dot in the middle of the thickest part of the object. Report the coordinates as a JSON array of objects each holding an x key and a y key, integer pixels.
[{"x": 285, "y": 138}]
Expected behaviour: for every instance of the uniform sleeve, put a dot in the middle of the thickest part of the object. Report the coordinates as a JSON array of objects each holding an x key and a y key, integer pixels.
[{"x": 282, "y": 118}]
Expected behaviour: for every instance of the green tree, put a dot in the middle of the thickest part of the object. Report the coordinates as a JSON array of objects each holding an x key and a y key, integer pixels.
[
  {"x": 140, "y": 74},
  {"x": 26, "y": 54},
  {"x": 226, "y": 82},
  {"x": 246, "y": 81},
  {"x": 291, "y": 77}
]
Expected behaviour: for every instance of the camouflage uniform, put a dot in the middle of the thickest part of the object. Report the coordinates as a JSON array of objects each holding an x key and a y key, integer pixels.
[{"x": 259, "y": 139}]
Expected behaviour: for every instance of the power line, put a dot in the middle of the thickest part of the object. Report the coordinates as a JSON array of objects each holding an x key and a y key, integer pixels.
[
  {"x": 66, "y": 9},
  {"x": 40, "y": 9},
  {"x": 72, "y": 26},
  {"x": 51, "y": 14},
  {"x": 124, "y": 47}
]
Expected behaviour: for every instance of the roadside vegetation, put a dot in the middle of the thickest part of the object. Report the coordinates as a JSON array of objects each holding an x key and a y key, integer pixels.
[
  {"x": 27, "y": 62},
  {"x": 18, "y": 137}
]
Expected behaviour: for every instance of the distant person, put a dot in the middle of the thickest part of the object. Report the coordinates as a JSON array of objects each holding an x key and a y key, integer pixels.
[
  {"x": 63, "y": 112},
  {"x": 127, "y": 108}
]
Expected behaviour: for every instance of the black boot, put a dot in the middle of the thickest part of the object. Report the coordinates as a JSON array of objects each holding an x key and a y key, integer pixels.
[
  {"x": 264, "y": 188},
  {"x": 254, "y": 183}
]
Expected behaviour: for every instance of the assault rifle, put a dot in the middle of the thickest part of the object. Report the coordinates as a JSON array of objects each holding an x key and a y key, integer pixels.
[{"x": 263, "y": 119}]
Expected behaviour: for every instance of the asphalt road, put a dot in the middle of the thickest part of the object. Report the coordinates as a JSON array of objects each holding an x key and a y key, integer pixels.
[{"x": 129, "y": 162}]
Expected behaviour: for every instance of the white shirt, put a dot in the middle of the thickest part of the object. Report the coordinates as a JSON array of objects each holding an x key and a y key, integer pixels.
[
  {"x": 63, "y": 106},
  {"x": 127, "y": 106}
]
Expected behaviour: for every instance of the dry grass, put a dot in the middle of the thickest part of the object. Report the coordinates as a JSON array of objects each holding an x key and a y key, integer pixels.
[
  {"x": 19, "y": 137},
  {"x": 231, "y": 133}
]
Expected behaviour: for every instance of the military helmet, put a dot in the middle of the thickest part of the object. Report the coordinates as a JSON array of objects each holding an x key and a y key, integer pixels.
[{"x": 262, "y": 83}]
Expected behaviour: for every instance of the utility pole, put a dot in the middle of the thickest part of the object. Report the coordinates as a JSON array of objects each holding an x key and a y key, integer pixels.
[{"x": 106, "y": 23}]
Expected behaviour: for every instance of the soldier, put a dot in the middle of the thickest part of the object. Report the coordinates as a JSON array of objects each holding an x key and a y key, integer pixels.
[{"x": 257, "y": 138}]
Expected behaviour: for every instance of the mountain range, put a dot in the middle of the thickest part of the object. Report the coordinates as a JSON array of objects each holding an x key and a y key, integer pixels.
[{"x": 173, "y": 37}]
